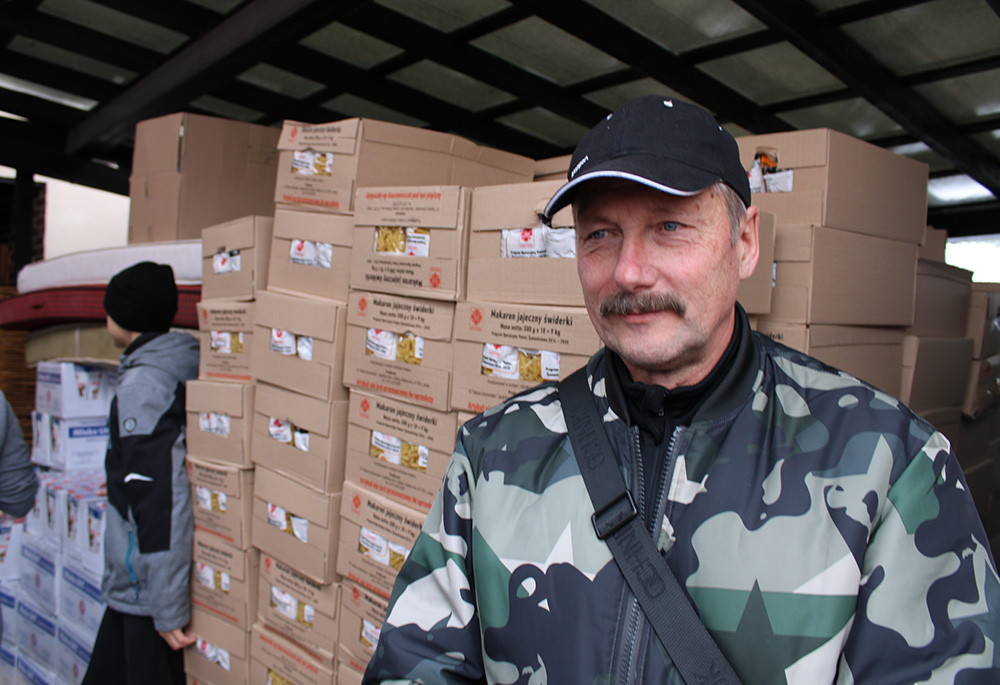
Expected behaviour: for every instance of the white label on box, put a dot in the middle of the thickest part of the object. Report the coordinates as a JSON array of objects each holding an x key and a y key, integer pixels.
[
  {"x": 291, "y": 524},
  {"x": 369, "y": 633},
  {"x": 304, "y": 347},
  {"x": 501, "y": 360},
  {"x": 312, "y": 163},
  {"x": 560, "y": 242},
  {"x": 522, "y": 242},
  {"x": 213, "y": 422},
  {"x": 388, "y": 448},
  {"x": 210, "y": 499},
  {"x": 373, "y": 545},
  {"x": 301, "y": 439},
  {"x": 780, "y": 181},
  {"x": 550, "y": 366},
  {"x": 418, "y": 242},
  {"x": 226, "y": 262},
  {"x": 324, "y": 255},
  {"x": 280, "y": 430},
  {"x": 291, "y": 608},
  {"x": 226, "y": 342},
  {"x": 282, "y": 342},
  {"x": 381, "y": 343},
  {"x": 212, "y": 579},
  {"x": 302, "y": 252},
  {"x": 217, "y": 655},
  {"x": 514, "y": 363}
]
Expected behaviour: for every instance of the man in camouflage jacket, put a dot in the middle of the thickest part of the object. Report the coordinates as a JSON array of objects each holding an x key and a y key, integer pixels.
[{"x": 824, "y": 533}]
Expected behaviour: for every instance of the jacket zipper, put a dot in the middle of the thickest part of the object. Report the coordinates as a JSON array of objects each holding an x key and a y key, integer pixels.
[
  {"x": 128, "y": 565},
  {"x": 635, "y": 613}
]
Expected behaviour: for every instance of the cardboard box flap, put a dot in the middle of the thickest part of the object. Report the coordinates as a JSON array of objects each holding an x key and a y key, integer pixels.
[
  {"x": 220, "y": 634},
  {"x": 433, "y": 429},
  {"x": 220, "y": 398},
  {"x": 303, "y": 315},
  {"x": 423, "y": 206},
  {"x": 553, "y": 165},
  {"x": 233, "y": 481},
  {"x": 518, "y": 205},
  {"x": 835, "y": 336},
  {"x": 936, "y": 269},
  {"x": 306, "y": 412},
  {"x": 336, "y": 136},
  {"x": 553, "y": 329},
  {"x": 300, "y": 500},
  {"x": 237, "y": 234},
  {"x": 432, "y": 319},
  {"x": 221, "y": 315},
  {"x": 793, "y": 242},
  {"x": 221, "y": 556},
  {"x": 320, "y": 227},
  {"x": 807, "y": 148}
]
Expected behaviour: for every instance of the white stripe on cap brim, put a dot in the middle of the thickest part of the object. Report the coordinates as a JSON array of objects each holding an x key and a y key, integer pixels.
[{"x": 555, "y": 203}]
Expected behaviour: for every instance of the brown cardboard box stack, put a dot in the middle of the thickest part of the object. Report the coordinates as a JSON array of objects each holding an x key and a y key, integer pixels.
[{"x": 302, "y": 346}]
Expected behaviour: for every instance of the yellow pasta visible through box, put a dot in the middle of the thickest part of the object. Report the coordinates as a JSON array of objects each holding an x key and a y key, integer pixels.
[
  {"x": 409, "y": 349},
  {"x": 390, "y": 239}
]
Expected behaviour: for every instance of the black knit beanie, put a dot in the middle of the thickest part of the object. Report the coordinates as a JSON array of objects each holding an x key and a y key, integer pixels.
[{"x": 142, "y": 298}]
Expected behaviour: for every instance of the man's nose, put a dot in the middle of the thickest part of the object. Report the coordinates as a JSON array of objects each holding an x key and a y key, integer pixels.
[{"x": 633, "y": 269}]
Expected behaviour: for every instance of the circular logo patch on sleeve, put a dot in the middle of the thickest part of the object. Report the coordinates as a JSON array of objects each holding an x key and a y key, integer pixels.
[{"x": 129, "y": 425}]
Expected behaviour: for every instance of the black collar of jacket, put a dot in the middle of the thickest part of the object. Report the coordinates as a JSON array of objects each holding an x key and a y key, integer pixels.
[
  {"x": 140, "y": 341},
  {"x": 722, "y": 392}
]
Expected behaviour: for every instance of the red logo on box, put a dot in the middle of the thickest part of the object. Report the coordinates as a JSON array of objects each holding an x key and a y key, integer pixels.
[
  {"x": 365, "y": 405},
  {"x": 435, "y": 280},
  {"x": 295, "y": 132},
  {"x": 355, "y": 593},
  {"x": 476, "y": 316},
  {"x": 267, "y": 563},
  {"x": 356, "y": 502},
  {"x": 362, "y": 304}
]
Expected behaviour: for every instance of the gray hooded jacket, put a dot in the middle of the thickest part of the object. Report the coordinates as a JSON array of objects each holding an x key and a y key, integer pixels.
[{"x": 149, "y": 523}]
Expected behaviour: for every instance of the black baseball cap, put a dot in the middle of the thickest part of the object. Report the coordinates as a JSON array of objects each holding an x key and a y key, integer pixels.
[{"x": 670, "y": 145}]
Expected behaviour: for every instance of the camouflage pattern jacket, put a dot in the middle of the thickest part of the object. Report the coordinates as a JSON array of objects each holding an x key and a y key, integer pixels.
[{"x": 824, "y": 532}]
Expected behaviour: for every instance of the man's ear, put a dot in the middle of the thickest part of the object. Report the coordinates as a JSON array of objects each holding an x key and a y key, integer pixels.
[{"x": 748, "y": 242}]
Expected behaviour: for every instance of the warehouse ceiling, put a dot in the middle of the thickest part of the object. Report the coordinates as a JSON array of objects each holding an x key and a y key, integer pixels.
[{"x": 920, "y": 77}]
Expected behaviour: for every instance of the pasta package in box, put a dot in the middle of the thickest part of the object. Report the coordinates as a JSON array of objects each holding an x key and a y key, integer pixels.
[
  {"x": 502, "y": 349},
  {"x": 226, "y": 334},
  {"x": 320, "y": 165},
  {"x": 362, "y": 614},
  {"x": 235, "y": 257},
  {"x": 301, "y": 436},
  {"x": 299, "y": 344},
  {"x": 68, "y": 390},
  {"x": 397, "y": 449},
  {"x": 296, "y": 524},
  {"x": 828, "y": 178},
  {"x": 224, "y": 580},
  {"x": 223, "y": 499},
  {"x": 288, "y": 603},
  {"x": 828, "y": 276},
  {"x": 311, "y": 253},
  {"x": 220, "y": 421},
  {"x": 376, "y": 537},
  {"x": 513, "y": 257},
  {"x": 276, "y": 659},
  {"x": 411, "y": 241},
  {"x": 221, "y": 652},
  {"x": 400, "y": 347}
]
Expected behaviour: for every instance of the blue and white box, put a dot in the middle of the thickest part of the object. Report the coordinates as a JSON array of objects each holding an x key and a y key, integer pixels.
[
  {"x": 41, "y": 566},
  {"x": 8, "y": 663},
  {"x": 11, "y": 539},
  {"x": 74, "y": 654},
  {"x": 78, "y": 443},
  {"x": 80, "y": 597},
  {"x": 30, "y": 672},
  {"x": 8, "y": 608},
  {"x": 69, "y": 390},
  {"x": 36, "y": 632}
]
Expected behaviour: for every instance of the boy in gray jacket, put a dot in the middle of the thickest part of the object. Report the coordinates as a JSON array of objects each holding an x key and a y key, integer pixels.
[{"x": 148, "y": 540}]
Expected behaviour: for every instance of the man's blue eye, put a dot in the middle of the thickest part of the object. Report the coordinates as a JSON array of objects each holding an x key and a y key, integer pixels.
[
  {"x": 598, "y": 234},
  {"x": 670, "y": 225}
]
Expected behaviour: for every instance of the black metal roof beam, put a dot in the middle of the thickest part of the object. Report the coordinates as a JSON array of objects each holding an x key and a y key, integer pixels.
[
  {"x": 969, "y": 129},
  {"x": 229, "y": 48},
  {"x": 60, "y": 78},
  {"x": 847, "y": 61},
  {"x": 419, "y": 39},
  {"x": 586, "y": 22},
  {"x": 347, "y": 78}
]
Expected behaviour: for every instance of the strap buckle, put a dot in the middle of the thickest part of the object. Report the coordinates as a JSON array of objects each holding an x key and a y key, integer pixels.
[{"x": 613, "y": 515}]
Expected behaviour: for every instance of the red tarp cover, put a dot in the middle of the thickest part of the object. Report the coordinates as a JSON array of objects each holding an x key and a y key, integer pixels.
[{"x": 75, "y": 304}]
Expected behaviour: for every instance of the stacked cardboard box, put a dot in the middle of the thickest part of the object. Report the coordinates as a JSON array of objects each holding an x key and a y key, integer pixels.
[
  {"x": 220, "y": 409},
  {"x": 300, "y": 339}
]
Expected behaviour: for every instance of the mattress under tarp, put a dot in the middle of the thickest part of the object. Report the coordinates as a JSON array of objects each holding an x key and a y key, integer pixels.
[{"x": 74, "y": 304}]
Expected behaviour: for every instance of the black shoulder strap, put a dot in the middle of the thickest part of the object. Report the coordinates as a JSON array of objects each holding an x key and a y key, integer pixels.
[{"x": 615, "y": 519}]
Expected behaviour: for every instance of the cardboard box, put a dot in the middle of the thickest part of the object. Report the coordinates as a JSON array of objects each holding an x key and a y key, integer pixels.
[
  {"x": 983, "y": 392},
  {"x": 224, "y": 580},
  {"x": 397, "y": 449},
  {"x": 297, "y": 614},
  {"x": 362, "y": 614},
  {"x": 400, "y": 347},
  {"x": 411, "y": 241},
  {"x": 299, "y": 344},
  {"x": 376, "y": 536},
  {"x": 826, "y": 276},
  {"x": 311, "y": 253},
  {"x": 983, "y": 321},
  {"x": 321, "y": 165},
  {"x": 235, "y": 257},
  {"x": 221, "y": 654},
  {"x": 220, "y": 421},
  {"x": 303, "y": 437},
  {"x": 191, "y": 171},
  {"x": 68, "y": 390},
  {"x": 942, "y": 300},
  {"x": 512, "y": 211},
  {"x": 552, "y": 168},
  {"x": 277, "y": 659},
  {"x": 222, "y": 500},
  {"x": 88, "y": 343},
  {"x": 755, "y": 292},
  {"x": 489, "y": 337},
  {"x": 348, "y": 674},
  {"x": 934, "y": 371},
  {"x": 226, "y": 337},
  {"x": 296, "y": 524},
  {"x": 842, "y": 182},
  {"x": 934, "y": 243},
  {"x": 875, "y": 355}
]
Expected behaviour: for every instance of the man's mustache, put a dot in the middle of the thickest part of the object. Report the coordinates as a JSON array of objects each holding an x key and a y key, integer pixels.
[{"x": 622, "y": 304}]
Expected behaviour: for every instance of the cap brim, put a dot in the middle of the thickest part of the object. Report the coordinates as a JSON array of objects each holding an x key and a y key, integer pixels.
[{"x": 686, "y": 180}]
